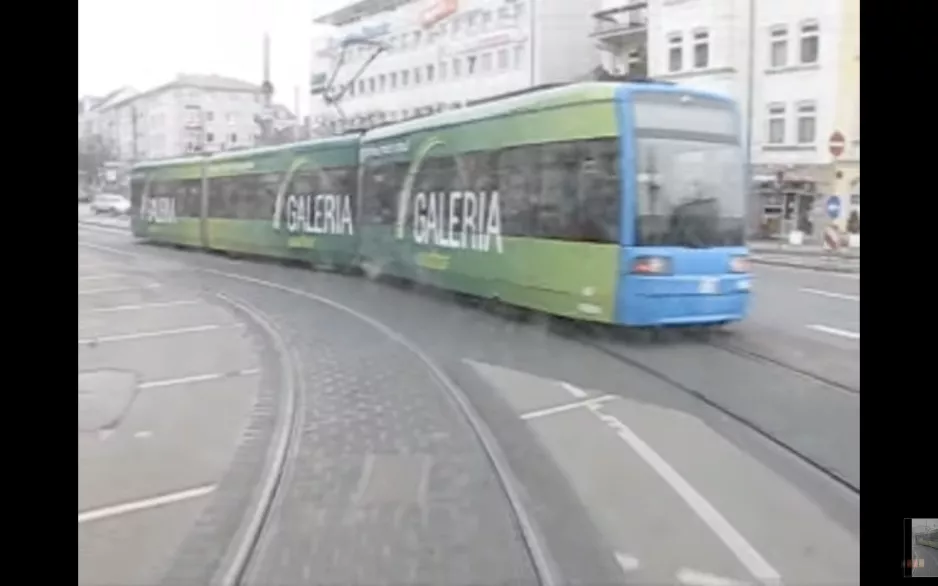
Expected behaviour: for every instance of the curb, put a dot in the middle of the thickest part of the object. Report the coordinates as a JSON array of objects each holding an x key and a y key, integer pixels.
[
  {"x": 796, "y": 252},
  {"x": 105, "y": 226},
  {"x": 795, "y": 265}
]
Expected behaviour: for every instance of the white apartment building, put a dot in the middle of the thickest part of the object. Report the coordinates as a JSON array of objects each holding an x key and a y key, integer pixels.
[
  {"x": 190, "y": 112},
  {"x": 620, "y": 30},
  {"x": 787, "y": 57},
  {"x": 443, "y": 54}
]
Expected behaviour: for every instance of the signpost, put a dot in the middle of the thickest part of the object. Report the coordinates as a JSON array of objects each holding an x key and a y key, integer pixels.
[
  {"x": 836, "y": 143},
  {"x": 833, "y": 207}
]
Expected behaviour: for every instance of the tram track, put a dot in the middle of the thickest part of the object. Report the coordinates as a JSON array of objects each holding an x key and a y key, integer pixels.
[{"x": 602, "y": 340}]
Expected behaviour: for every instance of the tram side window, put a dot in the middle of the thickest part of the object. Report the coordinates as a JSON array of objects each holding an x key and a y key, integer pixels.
[
  {"x": 382, "y": 183},
  {"x": 519, "y": 182},
  {"x": 341, "y": 181},
  {"x": 223, "y": 202},
  {"x": 264, "y": 198},
  {"x": 188, "y": 198},
  {"x": 559, "y": 194},
  {"x": 599, "y": 191}
]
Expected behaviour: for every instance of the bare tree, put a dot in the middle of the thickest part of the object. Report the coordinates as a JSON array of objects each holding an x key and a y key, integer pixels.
[{"x": 93, "y": 153}]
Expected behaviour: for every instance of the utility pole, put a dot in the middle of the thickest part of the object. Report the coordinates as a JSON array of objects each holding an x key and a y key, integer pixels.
[
  {"x": 267, "y": 92},
  {"x": 133, "y": 129},
  {"x": 750, "y": 84}
]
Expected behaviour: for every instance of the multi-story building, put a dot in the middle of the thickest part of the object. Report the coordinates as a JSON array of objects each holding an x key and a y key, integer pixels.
[
  {"x": 621, "y": 33},
  {"x": 189, "y": 113},
  {"x": 788, "y": 64},
  {"x": 442, "y": 54}
]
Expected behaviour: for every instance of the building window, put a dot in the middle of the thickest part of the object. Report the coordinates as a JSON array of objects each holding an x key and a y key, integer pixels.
[
  {"x": 675, "y": 52},
  {"x": 776, "y": 124},
  {"x": 416, "y": 75},
  {"x": 701, "y": 49},
  {"x": 393, "y": 80},
  {"x": 471, "y": 64},
  {"x": 382, "y": 82},
  {"x": 405, "y": 78},
  {"x": 431, "y": 72},
  {"x": 209, "y": 116},
  {"x": 361, "y": 86},
  {"x": 810, "y": 42},
  {"x": 778, "y": 46},
  {"x": 209, "y": 137},
  {"x": 417, "y": 38},
  {"x": 233, "y": 138},
  {"x": 371, "y": 84},
  {"x": 457, "y": 67},
  {"x": 442, "y": 69},
  {"x": 486, "y": 18},
  {"x": 503, "y": 58},
  {"x": 519, "y": 56},
  {"x": 806, "y": 123},
  {"x": 486, "y": 62}
]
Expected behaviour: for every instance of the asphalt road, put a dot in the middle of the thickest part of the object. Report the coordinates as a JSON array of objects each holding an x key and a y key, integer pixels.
[
  {"x": 166, "y": 380},
  {"x": 929, "y": 555},
  {"x": 629, "y": 478}
]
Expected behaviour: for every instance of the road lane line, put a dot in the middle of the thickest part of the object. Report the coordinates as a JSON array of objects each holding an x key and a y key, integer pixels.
[
  {"x": 577, "y": 392},
  {"x": 695, "y": 578},
  {"x": 744, "y": 552},
  {"x": 154, "y": 334},
  {"x": 131, "y": 507},
  {"x": 850, "y": 276},
  {"x": 565, "y": 407},
  {"x": 831, "y": 294},
  {"x": 197, "y": 378},
  {"x": 143, "y": 306},
  {"x": 118, "y": 289},
  {"x": 627, "y": 563},
  {"x": 835, "y": 331}
]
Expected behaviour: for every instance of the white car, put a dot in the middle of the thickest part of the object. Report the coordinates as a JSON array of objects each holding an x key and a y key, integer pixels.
[{"x": 115, "y": 205}]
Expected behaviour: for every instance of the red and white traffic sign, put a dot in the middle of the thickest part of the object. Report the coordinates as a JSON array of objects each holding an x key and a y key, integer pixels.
[
  {"x": 832, "y": 237},
  {"x": 836, "y": 143}
]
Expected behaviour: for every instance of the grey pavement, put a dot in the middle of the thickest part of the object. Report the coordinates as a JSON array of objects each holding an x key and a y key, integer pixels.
[
  {"x": 152, "y": 441},
  {"x": 801, "y": 250},
  {"x": 818, "y": 420}
]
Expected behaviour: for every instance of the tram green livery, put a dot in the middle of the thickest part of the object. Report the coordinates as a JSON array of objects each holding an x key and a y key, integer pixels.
[
  {"x": 608, "y": 202},
  {"x": 295, "y": 201}
]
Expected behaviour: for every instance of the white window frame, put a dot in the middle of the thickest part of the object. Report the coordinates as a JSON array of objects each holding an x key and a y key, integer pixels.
[
  {"x": 675, "y": 43},
  {"x": 774, "y": 113},
  {"x": 700, "y": 38},
  {"x": 804, "y": 110},
  {"x": 778, "y": 36},
  {"x": 809, "y": 29}
]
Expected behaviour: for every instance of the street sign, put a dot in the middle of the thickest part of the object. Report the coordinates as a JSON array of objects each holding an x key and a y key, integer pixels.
[
  {"x": 833, "y": 207},
  {"x": 836, "y": 143}
]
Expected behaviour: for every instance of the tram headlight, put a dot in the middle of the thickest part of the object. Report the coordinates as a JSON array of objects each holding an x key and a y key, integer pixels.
[
  {"x": 740, "y": 264},
  {"x": 651, "y": 265}
]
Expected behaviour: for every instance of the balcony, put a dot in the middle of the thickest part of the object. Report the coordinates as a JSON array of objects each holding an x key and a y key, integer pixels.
[{"x": 627, "y": 24}]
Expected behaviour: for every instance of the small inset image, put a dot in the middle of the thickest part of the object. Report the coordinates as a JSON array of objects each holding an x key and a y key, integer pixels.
[{"x": 924, "y": 554}]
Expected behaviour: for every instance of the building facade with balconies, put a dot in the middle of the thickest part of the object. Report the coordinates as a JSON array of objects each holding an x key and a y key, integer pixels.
[
  {"x": 620, "y": 32},
  {"x": 782, "y": 61},
  {"x": 441, "y": 54},
  {"x": 189, "y": 113}
]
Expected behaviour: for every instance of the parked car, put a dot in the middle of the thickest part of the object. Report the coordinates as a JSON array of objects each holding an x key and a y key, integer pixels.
[{"x": 108, "y": 203}]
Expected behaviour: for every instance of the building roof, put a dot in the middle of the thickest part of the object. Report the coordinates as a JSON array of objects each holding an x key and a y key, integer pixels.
[
  {"x": 197, "y": 81},
  {"x": 357, "y": 10}
]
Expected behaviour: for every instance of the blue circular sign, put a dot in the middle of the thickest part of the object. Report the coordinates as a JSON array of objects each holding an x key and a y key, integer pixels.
[{"x": 833, "y": 207}]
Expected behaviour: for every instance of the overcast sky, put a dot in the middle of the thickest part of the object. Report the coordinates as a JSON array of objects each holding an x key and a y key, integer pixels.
[{"x": 143, "y": 43}]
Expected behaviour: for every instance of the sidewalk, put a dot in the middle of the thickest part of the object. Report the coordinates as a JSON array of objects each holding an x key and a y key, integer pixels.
[{"x": 778, "y": 247}]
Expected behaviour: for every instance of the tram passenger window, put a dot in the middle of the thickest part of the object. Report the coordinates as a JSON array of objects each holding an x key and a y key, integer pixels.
[
  {"x": 381, "y": 184},
  {"x": 341, "y": 181},
  {"x": 266, "y": 196},
  {"x": 557, "y": 205},
  {"x": 599, "y": 191},
  {"x": 519, "y": 183}
]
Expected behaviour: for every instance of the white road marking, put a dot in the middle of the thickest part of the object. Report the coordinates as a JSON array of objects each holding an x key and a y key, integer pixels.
[
  {"x": 143, "y": 434},
  {"x": 117, "y": 289},
  {"x": 744, "y": 552},
  {"x": 835, "y": 331},
  {"x": 197, "y": 378},
  {"x": 104, "y": 276},
  {"x": 144, "y": 306},
  {"x": 626, "y": 562},
  {"x": 153, "y": 334},
  {"x": 131, "y": 507},
  {"x": 577, "y": 392},
  {"x": 695, "y": 578},
  {"x": 831, "y": 294},
  {"x": 565, "y": 407}
]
